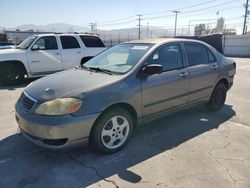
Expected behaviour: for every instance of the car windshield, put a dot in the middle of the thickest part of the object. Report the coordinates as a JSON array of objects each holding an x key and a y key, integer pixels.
[
  {"x": 27, "y": 42},
  {"x": 120, "y": 58}
]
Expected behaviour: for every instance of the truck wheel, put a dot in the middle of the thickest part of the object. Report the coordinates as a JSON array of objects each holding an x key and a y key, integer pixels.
[
  {"x": 11, "y": 74},
  {"x": 218, "y": 97},
  {"x": 112, "y": 130}
]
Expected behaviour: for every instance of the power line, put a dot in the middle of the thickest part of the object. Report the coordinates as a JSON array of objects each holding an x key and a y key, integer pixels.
[
  {"x": 111, "y": 22},
  {"x": 119, "y": 23},
  {"x": 195, "y": 10},
  {"x": 214, "y": 6},
  {"x": 117, "y": 20},
  {"x": 181, "y": 8}
]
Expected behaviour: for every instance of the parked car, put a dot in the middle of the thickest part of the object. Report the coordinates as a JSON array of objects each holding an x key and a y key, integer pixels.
[
  {"x": 40, "y": 55},
  {"x": 130, "y": 83}
]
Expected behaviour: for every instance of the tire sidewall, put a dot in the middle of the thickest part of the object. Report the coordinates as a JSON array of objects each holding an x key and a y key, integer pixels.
[
  {"x": 100, "y": 123},
  {"x": 8, "y": 67},
  {"x": 212, "y": 103}
]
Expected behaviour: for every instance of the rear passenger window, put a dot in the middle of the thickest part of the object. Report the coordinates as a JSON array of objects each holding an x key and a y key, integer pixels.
[
  {"x": 91, "y": 41},
  {"x": 196, "y": 54},
  {"x": 211, "y": 56},
  {"x": 69, "y": 42}
]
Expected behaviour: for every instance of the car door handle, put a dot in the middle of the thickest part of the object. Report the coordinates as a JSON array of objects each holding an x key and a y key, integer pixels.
[
  {"x": 57, "y": 53},
  {"x": 214, "y": 67},
  {"x": 183, "y": 74},
  {"x": 78, "y": 52}
]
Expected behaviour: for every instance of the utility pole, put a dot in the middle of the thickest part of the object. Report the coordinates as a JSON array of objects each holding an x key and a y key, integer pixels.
[
  {"x": 139, "y": 25},
  {"x": 189, "y": 27},
  {"x": 245, "y": 18},
  {"x": 119, "y": 38},
  {"x": 147, "y": 29},
  {"x": 95, "y": 28},
  {"x": 176, "y": 13},
  {"x": 92, "y": 26}
]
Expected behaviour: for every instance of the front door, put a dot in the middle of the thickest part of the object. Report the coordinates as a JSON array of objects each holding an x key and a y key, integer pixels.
[
  {"x": 45, "y": 56},
  {"x": 169, "y": 89}
]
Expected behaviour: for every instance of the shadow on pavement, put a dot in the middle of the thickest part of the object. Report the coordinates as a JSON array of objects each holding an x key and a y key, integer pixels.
[
  {"x": 24, "y": 164},
  {"x": 21, "y": 85}
]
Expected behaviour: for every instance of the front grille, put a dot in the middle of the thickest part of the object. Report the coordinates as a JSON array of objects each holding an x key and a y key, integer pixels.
[{"x": 27, "y": 101}]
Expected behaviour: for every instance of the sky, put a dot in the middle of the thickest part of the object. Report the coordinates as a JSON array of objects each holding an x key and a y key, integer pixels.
[{"x": 110, "y": 14}]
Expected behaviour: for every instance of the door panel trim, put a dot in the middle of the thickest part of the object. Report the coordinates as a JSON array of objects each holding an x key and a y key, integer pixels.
[{"x": 178, "y": 96}]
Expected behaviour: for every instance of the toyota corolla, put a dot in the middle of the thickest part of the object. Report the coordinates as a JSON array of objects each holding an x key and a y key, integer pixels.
[{"x": 103, "y": 100}]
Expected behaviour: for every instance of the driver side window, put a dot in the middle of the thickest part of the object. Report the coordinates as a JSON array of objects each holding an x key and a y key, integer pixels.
[
  {"x": 169, "y": 56},
  {"x": 47, "y": 43}
]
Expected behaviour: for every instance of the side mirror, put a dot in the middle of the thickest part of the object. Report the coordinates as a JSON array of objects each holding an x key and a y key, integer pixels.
[
  {"x": 152, "y": 69},
  {"x": 35, "y": 47}
]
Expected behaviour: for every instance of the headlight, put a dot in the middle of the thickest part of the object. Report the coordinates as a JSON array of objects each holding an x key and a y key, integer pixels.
[{"x": 61, "y": 106}]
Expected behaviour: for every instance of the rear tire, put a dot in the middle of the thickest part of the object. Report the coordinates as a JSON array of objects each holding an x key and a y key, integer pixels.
[
  {"x": 112, "y": 130},
  {"x": 11, "y": 74},
  {"x": 218, "y": 97}
]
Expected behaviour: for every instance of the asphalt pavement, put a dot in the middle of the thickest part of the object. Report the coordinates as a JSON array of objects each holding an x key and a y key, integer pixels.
[{"x": 192, "y": 148}]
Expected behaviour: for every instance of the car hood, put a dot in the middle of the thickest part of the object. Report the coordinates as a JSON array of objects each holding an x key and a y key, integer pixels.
[
  {"x": 11, "y": 51},
  {"x": 70, "y": 83}
]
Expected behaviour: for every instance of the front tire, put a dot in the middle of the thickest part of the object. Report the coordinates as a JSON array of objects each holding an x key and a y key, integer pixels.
[
  {"x": 112, "y": 130},
  {"x": 11, "y": 74},
  {"x": 218, "y": 97}
]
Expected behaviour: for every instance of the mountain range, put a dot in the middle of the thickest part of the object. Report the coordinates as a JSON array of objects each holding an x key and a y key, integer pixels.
[{"x": 118, "y": 34}]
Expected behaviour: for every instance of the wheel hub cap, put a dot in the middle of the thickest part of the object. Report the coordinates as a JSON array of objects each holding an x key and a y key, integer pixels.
[{"x": 115, "y": 132}]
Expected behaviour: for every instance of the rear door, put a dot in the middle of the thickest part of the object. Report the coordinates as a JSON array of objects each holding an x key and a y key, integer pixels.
[
  {"x": 71, "y": 51},
  {"x": 169, "y": 89},
  {"x": 203, "y": 71},
  {"x": 46, "y": 58}
]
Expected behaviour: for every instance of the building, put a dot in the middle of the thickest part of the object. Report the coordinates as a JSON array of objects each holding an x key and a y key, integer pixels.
[
  {"x": 3, "y": 37},
  {"x": 220, "y": 25},
  {"x": 200, "y": 30}
]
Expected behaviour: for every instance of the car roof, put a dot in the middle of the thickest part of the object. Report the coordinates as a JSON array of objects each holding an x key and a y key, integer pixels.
[
  {"x": 66, "y": 34},
  {"x": 160, "y": 41}
]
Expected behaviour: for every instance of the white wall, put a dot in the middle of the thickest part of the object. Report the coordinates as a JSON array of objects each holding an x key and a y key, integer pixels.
[{"x": 236, "y": 45}]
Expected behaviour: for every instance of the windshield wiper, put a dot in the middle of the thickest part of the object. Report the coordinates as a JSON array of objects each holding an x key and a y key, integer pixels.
[
  {"x": 97, "y": 69},
  {"x": 84, "y": 67}
]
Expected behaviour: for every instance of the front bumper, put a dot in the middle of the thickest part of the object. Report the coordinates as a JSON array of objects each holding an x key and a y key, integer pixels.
[{"x": 55, "y": 132}]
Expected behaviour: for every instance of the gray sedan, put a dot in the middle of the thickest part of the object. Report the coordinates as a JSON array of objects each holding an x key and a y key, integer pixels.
[{"x": 104, "y": 99}]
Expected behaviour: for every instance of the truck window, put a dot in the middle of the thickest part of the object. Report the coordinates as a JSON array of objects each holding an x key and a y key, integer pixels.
[
  {"x": 91, "y": 41},
  {"x": 47, "y": 43},
  {"x": 69, "y": 42}
]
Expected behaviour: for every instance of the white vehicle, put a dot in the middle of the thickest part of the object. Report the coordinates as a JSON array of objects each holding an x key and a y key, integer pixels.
[{"x": 44, "y": 54}]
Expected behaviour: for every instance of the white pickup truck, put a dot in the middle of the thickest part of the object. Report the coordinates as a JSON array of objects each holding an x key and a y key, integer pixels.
[{"x": 44, "y": 54}]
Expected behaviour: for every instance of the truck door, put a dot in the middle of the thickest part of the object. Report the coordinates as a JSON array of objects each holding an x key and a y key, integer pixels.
[
  {"x": 44, "y": 56},
  {"x": 71, "y": 52}
]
